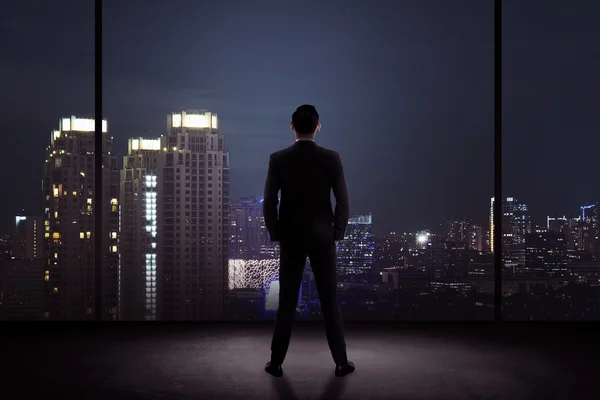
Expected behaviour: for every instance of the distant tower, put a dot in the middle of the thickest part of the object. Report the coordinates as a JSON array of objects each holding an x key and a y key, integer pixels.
[
  {"x": 28, "y": 240},
  {"x": 139, "y": 222},
  {"x": 516, "y": 223},
  {"x": 464, "y": 234},
  {"x": 193, "y": 218},
  {"x": 68, "y": 188},
  {"x": 355, "y": 253},
  {"x": 246, "y": 217}
]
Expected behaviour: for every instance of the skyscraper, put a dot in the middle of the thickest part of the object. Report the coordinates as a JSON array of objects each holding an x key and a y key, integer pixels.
[
  {"x": 355, "y": 252},
  {"x": 193, "y": 218},
  {"x": 268, "y": 249},
  {"x": 246, "y": 234},
  {"x": 464, "y": 234},
  {"x": 28, "y": 240},
  {"x": 68, "y": 188},
  {"x": 516, "y": 223},
  {"x": 546, "y": 254},
  {"x": 589, "y": 227},
  {"x": 139, "y": 222},
  {"x": 5, "y": 247}
]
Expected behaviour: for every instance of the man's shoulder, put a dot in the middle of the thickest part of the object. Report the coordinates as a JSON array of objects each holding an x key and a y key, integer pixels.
[
  {"x": 325, "y": 152},
  {"x": 278, "y": 153}
]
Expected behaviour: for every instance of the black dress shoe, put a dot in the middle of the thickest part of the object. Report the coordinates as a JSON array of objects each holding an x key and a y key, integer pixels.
[
  {"x": 274, "y": 369},
  {"x": 344, "y": 369}
]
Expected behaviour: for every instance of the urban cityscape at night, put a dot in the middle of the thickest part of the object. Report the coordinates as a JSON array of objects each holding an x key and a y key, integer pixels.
[
  {"x": 181, "y": 249},
  {"x": 320, "y": 200}
]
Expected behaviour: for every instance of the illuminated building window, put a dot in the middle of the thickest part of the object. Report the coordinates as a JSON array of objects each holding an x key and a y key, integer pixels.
[
  {"x": 55, "y": 192},
  {"x": 55, "y": 214},
  {"x": 113, "y": 235},
  {"x": 113, "y": 249},
  {"x": 88, "y": 234},
  {"x": 47, "y": 234},
  {"x": 74, "y": 193},
  {"x": 55, "y": 255},
  {"x": 55, "y": 290},
  {"x": 89, "y": 201},
  {"x": 81, "y": 235}
]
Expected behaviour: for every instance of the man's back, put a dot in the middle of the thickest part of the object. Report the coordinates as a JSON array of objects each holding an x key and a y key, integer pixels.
[
  {"x": 305, "y": 227},
  {"x": 306, "y": 174}
]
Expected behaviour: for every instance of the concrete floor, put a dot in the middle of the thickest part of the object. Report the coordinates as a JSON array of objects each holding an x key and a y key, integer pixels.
[{"x": 225, "y": 361}]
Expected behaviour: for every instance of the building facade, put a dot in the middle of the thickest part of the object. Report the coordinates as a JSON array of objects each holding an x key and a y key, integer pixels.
[
  {"x": 246, "y": 234},
  {"x": 355, "y": 252},
  {"x": 69, "y": 204},
  {"x": 516, "y": 224},
  {"x": 28, "y": 240},
  {"x": 139, "y": 230},
  {"x": 193, "y": 218}
]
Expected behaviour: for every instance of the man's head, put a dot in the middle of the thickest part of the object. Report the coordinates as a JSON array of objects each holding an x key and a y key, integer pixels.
[{"x": 305, "y": 121}]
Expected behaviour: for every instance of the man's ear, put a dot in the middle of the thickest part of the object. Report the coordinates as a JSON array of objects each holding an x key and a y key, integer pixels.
[{"x": 291, "y": 127}]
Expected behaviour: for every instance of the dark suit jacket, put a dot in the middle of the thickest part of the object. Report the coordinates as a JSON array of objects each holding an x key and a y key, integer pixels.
[{"x": 306, "y": 174}]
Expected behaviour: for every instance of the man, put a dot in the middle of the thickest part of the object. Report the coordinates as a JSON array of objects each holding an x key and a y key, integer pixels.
[{"x": 305, "y": 226}]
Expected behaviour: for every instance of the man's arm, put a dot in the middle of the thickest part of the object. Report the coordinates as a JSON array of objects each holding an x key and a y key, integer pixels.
[
  {"x": 342, "y": 207},
  {"x": 270, "y": 202}
]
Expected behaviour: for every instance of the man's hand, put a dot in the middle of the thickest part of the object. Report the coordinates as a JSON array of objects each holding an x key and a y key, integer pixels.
[{"x": 337, "y": 242}]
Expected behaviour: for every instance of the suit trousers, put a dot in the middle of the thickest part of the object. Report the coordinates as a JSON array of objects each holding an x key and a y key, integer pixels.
[{"x": 322, "y": 258}]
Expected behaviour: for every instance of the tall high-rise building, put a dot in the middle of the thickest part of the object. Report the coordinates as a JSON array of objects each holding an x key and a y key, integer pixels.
[
  {"x": 556, "y": 224},
  {"x": 21, "y": 288},
  {"x": 464, "y": 234},
  {"x": 69, "y": 204},
  {"x": 475, "y": 238},
  {"x": 268, "y": 249},
  {"x": 589, "y": 227},
  {"x": 5, "y": 247},
  {"x": 456, "y": 231},
  {"x": 139, "y": 223},
  {"x": 449, "y": 263},
  {"x": 193, "y": 218},
  {"x": 546, "y": 253},
  {"x": 28, "y": 240},
  {"x": 516, "y": 223},
  {"x": 355, "y": 252},
  {"x": 246, "y": 235}
]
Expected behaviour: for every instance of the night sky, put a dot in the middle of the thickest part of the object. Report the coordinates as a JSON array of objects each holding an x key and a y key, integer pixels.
[{"x": 404, "y": 89}]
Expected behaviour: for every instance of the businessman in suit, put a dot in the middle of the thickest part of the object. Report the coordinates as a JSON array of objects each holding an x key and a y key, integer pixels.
[{"x": 306, "y": 226}]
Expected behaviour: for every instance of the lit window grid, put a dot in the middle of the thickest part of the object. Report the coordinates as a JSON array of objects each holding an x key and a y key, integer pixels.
[{"x": 150, "y": 202}]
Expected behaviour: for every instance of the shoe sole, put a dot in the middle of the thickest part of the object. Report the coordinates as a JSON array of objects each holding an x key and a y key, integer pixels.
[
  {"x": 341, "y": 375},
  {"x": 276, "y": 375}
]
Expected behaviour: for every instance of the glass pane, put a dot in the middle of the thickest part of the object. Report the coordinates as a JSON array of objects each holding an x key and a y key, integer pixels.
[
  {"x": 411, "y": 118},
  {"x": 550, "y": 227},
  {"x": 48, "y": 84}
]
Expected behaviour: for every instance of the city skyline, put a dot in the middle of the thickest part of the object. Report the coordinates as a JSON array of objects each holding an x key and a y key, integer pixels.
[
  {"x": 150, "y": 157},
  {"x": 174, "y": 240},
  {"x": 411, "y": 120}
]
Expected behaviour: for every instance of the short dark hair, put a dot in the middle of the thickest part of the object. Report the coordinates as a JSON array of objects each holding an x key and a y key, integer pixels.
[{"x": 305, "y": 119}]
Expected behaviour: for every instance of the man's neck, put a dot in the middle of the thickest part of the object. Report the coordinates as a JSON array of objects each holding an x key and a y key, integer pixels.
[{"x": 305, "y": 139}]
